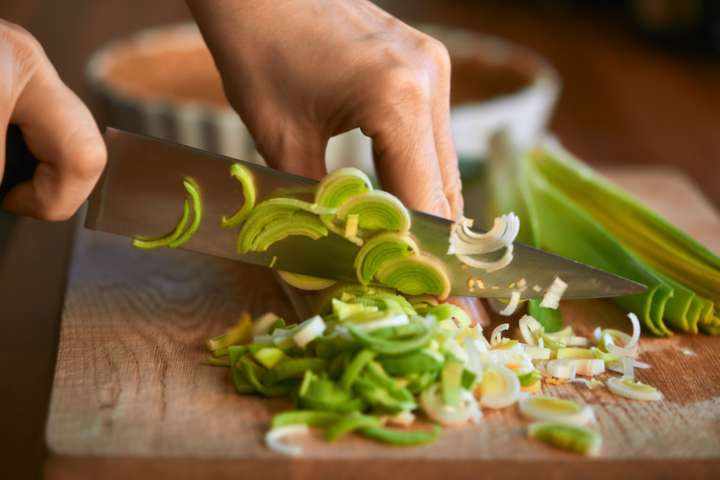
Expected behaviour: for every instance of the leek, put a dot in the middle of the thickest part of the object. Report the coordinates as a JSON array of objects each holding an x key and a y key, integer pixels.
[{"x": 568, "y": 209}]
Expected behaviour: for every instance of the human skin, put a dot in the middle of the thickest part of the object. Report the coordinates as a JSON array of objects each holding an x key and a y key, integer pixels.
[
  {"x": 301, "y": 71},
  {"x": 57, "y": 126}
]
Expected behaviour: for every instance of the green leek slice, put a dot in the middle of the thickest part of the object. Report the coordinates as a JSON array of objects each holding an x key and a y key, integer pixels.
[
  {"x": 276, "y": 219},
  {"x": 378, "y": 250},
  {"x": 415, "y": 275},
  {"x": 305, "y": 282},
  {"x": 568, "y": 437},
  {"x": 243, "y": 175},
  {"x": 181, "y": 233},
  {"x": 336, "y": 188},
  {"x": 376, "y": 210}
]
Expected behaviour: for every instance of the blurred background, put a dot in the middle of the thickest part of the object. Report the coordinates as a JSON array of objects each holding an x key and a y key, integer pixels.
[{"x": 636, "y": 81}]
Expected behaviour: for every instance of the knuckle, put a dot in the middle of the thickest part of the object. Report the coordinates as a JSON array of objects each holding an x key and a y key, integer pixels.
[
  {"x": 23, "y": 42},
  {"x": 436, "y": 51},
  {"x": 407, "y": 83},
  {"x": 87, "y": 156}
]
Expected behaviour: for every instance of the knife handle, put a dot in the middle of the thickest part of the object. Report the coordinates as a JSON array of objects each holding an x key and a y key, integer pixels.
[{"x": 20, "y": 163}]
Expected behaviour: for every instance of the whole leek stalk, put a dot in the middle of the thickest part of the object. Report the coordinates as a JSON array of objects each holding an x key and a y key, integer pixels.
[{"x": 567, "y": 208}]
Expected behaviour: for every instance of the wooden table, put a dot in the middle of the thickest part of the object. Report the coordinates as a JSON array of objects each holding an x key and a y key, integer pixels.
[
  {"x": 623, "y": 102},
  {"x": 131, "y": 398}
]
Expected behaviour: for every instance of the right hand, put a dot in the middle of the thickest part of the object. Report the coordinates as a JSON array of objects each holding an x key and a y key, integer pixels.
[{"x": 58, "y": 128}]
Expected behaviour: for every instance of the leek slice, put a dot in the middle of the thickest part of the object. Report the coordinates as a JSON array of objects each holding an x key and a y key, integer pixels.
[
  {"x": 378, "y": 250},
  {"x": 275, "y": 435},
  {"x": 340, "y": 185},
  {"x": 684, "y": 265},
  {"x": 278, "y": 218},
  {"x": 376, "y": 210},
  {"x": 243, "y": 175},
  {"x": 568, "y": 437},
  {"x": 627, "y": 387},
  {"x": 181, "y": 233},
  {"x": 335, "y": 189},
  {"x": 415, "y": 275},
  {"x": 556, "y": 410},
  {"x": 500, "y": 387},
  {"x": 305, "y": 282}
]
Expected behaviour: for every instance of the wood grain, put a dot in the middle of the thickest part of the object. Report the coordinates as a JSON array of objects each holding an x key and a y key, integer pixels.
[{"x": 131, "y": 396}]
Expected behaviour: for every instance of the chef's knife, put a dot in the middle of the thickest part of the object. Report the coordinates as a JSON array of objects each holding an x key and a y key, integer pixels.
[{"x": 141, "y": 193}]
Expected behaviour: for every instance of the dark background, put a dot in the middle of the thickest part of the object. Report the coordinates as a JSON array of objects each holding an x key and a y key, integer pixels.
[{"x": 631, "y": 95}]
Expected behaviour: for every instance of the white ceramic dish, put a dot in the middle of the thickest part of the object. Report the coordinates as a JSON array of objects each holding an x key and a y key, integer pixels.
[{"x": 523, "y": 111}]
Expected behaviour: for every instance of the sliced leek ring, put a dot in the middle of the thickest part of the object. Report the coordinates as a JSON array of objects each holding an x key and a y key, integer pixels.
[
  {"x": 340, "y": 185},
  {"x": 627, "y": 387},
  {"x": 587, "y": 367},
  {"x": 500, "y": 387},
  {"x": 243, "y": 175},
  {"x": 300, "y": 223},
  {"x": 376, "y": 210},
  {"x": 305, "y": 282},
  {"x": 415, "y": 275},
  {"x": 432, "y": 404},
  {"x": 380, "y": 249},
  {"x": 550, "y": 409}
]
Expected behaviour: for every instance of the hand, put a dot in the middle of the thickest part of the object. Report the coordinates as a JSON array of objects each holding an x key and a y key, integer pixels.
[
  {"x": 58, "y": 128},
  {"x": 301, "y": 71}
]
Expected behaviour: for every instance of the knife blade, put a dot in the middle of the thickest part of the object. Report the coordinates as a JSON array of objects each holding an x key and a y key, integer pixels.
[{"x": 141, "y": 193}]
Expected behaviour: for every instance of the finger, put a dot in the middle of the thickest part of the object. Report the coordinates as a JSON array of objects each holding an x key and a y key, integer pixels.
[
  {"x": 405, "y": 155},
  {"x": 62, "y": 134},
  {"x": 293, "y": 152},
  {"x": 444, "y": 144},
  {"x": 473, "y": 307}
]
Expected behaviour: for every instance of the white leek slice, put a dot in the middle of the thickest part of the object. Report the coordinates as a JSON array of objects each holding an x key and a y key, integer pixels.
[
  {"x": 536, "y": 352},
  {"x": 496, "y": 335},
  {"x": 464, "y": 241},
  {"x": 500, "y": 387},
  {"x": 512, "y": 305},
  {"x": 489, "y": 265},
  {"x": 274, "y": 437},
  {"x": 309, "y": 330},
  {"x": 554, "y": 293},
  {"x": 395, "y": 320},
  {"x": 433, "y": 406},
  {"x": 262, "y": 325},
  {"x": 630, "y": 347},
  {"x": 574, "y": 352},
  {"x": 576, "y": 341},
  {"x": 561, "y": 369},
  {"x": 402, "y": 419},
  {"x": 587, "y": 367},
  {"x": 556, "y": 410},
  {"x": 530, "y": 329},
  {"x": 627, "y": 387},
  {"x": 628, "y": 369}
]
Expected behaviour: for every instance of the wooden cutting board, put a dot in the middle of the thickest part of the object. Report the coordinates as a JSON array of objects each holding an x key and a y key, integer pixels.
[{"x": 131, "y": 399}]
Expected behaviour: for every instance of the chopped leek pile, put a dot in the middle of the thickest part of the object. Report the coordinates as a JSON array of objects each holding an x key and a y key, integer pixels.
[
  {"x": 373, "y": 363},
  {"x": 567, "y": 208}
]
